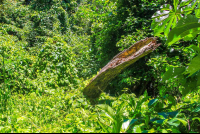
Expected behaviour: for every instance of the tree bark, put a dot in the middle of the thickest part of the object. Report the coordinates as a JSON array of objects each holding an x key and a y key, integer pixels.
[{"x": 117, "y": 65}]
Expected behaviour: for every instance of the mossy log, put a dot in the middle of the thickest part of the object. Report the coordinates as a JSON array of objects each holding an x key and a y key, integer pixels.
[{"x": 117, "y": 65}]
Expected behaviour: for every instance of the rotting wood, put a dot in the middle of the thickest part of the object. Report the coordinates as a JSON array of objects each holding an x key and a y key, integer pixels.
[{"x": 117, "y": 64}]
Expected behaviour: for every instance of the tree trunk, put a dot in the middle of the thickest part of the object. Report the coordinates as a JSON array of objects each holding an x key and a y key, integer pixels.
[{"x": 117, "y": 65}]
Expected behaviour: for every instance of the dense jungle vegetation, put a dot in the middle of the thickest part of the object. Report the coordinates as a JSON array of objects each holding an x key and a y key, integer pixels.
[{"x": 51, "y": 49}]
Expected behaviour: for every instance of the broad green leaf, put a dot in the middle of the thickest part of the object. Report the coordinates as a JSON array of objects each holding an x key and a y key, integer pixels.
[
  {"x": 174, "y": 122},
  {"x": 120, "y": 108},
  {"x": 167, "y": 18},
  {"x": 182, "y": 121},
  {"x": 107, "y": 109},
  {"x": 194, "y": 66},
  {"x": 198, "y": 39},
  {"x": 175, "y": 3},
  {"x": 173, "y": 72},
  {"x": 164, "y": 131},
  {"x": 167, "y": 29},
  {"x": 103, "y": 127},
  {"x": 173, "y": 114},
  {"x": 196, "y": 109},
  {"x": 187, "y": 19},
  {"x": 197, "y": 13},
  {"x": 159, "y": 121},
  {"x": 152, "y": 130},
  {"x": 190, "y": 85},
  {"x": 190, "y": 37},
  {"x": 185, "y": 2},
  {"x": 196, "y": 118},
  {"x": 167, "y": 114},
  {"x": 160, "y": 28},
  {"x": 198, "y": 79},
  {"x": 128, "y": 123},
  {"x": 195, "y": 48},
  {"x": 182, "y": 22},
  {"x": 154, "y": 119},
  {"x": 187, "y": 28},
  {"x": 190, "y": 7},
  {"x": 158, "y": 17},
  {"x": 151, "y": 102},
  {"x": 164, "y": 114},
  {"x": 137, "y": 129},
  {"x": 162, "y": 20}
]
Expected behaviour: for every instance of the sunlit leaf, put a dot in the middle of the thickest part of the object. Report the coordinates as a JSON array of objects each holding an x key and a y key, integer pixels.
[
  {"x": 197, "y": 13},
  {"x": 195, "y": 48},
  {"x": 164, "y": 114},
  {"x": 174, "y": 122},
  {"x": 198, "y": 39},
  {"x": 196, "y": 118},
  {"x": 185, "y": 2},
  {"x": 196, "y": 109},
  {"x": 151, "y": 102},
  {"x": 128, "y": 123},
  {"x": 194, "y": 66},
  {"x": 190, "y": 85},
  {"x": 166, "y": 19},
  {"x": 175, "y": 3},
  {"x": 107, "y": 109},
  {"x": 159, "y": 121},
  {"x": 137, "y": 129},
  {"x": 198, "y": 79},
  {"x": 182, "y": 121},
  {"x": 173, "y": 72},
  {"x": 187, "y": 26},
  {"x": 103, "y": 127},
  {"x": 190, "y": 7},
  {"x": 164, "y": 131},
  {"x": 173, "y": 114}
]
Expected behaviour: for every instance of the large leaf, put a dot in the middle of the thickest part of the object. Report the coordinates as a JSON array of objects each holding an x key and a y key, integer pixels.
[
  {"x": 159, "y": 121},
  {"x": 168, "y": 114},
  {"x": 127, "y": 123},
  {"x": 104, "y": 127},
  {"x": 151, "y": 102},
  {"x": 107, "y": 109},
  {"x": 164, "y": 19},
  {"x": 190, "y": 85},
  {"x": 188, "y": 27},
  {"x": 167, "y": 18},
  {"x": 197, "y": 109},
  {"x": 189, "y": 7},
  {"x": 174, "y": 122},
  {"x": 182, "y": 121},
  {"x": 197, "y": 13},
  {"x": 185, "y": 2},
  {"x": 194, "y": 66},
  {"x": 195, "y": 47},
  {"x": 137, "y": 129},
  {"x": 198, "y": 79},
  {"x": 173, "y": 72}
]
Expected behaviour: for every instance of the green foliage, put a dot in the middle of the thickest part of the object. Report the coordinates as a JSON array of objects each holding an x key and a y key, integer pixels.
[
  {"x": 144, "y": 114},
  {"x": 115, "y": 117},
  {"x": 167, "y": 18},
  {"x": 49, "y": 50},
  {"x": 187, "y": 28}
]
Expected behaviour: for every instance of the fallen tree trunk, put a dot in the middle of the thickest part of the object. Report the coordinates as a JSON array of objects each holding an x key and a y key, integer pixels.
[{"x": 117, "y": 64}]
